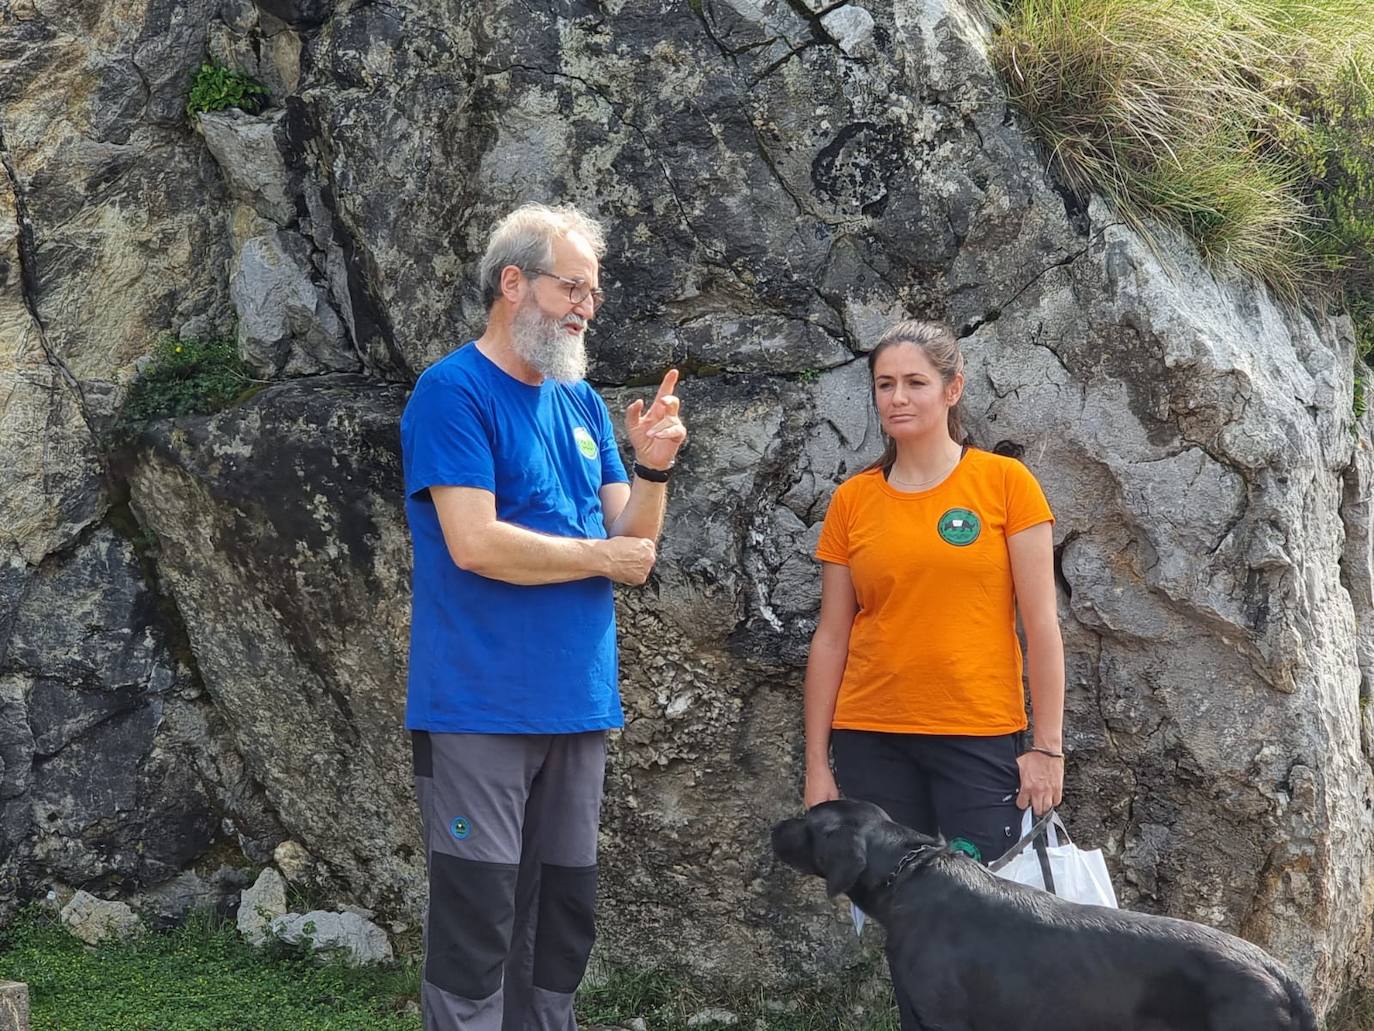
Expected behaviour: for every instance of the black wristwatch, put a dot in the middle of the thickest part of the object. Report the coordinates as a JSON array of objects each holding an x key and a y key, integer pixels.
[{"x": 653, "y": 475}]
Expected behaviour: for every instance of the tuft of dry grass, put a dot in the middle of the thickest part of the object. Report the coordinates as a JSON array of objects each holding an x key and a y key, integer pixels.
[
  {"x": 1353, "y": 1013},
  {"x": 1187, "y": 114}
]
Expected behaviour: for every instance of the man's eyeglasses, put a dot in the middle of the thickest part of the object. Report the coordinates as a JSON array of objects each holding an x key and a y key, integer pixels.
[{"x": 578, "y": 290}]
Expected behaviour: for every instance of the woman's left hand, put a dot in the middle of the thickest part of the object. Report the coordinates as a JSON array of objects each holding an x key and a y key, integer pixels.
[{"x": 1042, "y": 781}]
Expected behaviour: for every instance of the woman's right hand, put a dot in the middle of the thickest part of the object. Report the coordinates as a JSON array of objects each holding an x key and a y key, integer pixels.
[{"x": 820, "y": 786}]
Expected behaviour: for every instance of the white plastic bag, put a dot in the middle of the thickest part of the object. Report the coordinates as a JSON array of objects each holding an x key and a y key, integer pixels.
[{"x": 1046, "y": 854}]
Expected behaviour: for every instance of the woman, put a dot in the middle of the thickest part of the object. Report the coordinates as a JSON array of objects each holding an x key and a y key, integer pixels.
[{"x": 914, "y": 678}]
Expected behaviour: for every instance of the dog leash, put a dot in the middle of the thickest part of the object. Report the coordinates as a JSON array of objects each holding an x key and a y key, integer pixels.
[
  {"x": 1035, "y": 836},
  {"x": 1037, "y": 830}
]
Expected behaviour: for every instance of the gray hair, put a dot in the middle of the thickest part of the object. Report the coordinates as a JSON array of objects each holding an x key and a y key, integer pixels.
[{"x": 525, "y": 237}]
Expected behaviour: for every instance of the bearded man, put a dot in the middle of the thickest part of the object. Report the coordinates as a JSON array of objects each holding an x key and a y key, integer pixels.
[{"x": 521, "y": 518}]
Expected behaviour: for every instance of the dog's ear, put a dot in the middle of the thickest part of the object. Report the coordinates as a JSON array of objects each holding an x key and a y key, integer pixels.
[{"x": 842, "y": 858}]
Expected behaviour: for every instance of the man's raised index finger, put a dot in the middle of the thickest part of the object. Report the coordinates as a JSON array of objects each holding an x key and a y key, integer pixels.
[{"x": 666, "y": 387}]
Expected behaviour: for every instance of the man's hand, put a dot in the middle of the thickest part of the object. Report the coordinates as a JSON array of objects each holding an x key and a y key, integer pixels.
[
  {"x": 656, "y": 434},
  {"x": 628, "y": 560}
]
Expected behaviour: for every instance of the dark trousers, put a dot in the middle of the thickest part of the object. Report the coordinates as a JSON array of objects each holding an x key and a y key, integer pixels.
[
  {"x": 956, "y": 785},
  {"x": 510, "y": 824}
]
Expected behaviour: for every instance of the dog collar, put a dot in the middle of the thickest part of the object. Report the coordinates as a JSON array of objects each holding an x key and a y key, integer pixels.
[{"x": 904, "y": 862}]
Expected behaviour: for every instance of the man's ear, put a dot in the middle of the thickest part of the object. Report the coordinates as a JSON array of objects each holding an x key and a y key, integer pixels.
[
  {"x": 842, "y": 858},
  {"x": 512, "y": 279}
]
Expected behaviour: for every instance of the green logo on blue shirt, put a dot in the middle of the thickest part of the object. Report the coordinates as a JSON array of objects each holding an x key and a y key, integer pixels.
[{"x": 585, "y": 443}]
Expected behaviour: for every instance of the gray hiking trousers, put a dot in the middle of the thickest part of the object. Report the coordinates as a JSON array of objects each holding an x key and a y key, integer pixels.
[{"x": 510, "y": 824}]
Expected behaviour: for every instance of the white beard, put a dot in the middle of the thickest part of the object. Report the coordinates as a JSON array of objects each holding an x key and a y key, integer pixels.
[{"x": 540, "y": 341}]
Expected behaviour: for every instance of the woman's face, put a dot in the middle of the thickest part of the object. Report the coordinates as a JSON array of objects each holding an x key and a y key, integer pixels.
[{"x": 911, "y": 398}]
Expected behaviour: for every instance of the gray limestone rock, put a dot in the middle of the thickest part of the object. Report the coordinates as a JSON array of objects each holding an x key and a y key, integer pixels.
[
  {"x": 97, "y": 787},
  {"x": 281, "y": 520},
  {"x": 294, "y": 862},
  {"x": 258, "y": 45},
  {"x": 852, "y": 28},
  {"x": 167, "y": 52},
  {"x": 95, "y": 920},
  {"x": 169, "y": 904},
  {"x": 297, "y": 12},
  {"x": 286, "y": 323},
  {"x": 14, "y": 1006},
  {"x": 247, "y": 150},
  {"x": 357, "y": 939},
  {"x": 260, "y": 905}
]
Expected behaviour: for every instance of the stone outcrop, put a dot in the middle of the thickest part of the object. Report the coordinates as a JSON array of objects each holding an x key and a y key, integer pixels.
[
  {"x": 780, "y": 180},
  {"x": 170, "y": 903},
  {"x": 14, "y": 1006},
  {"x": 100, "y": 784},
  {"x": 259, "y": 905},
  {"x": 297, "y": 609},
  {"x": 95, "y": 920},
  {"x": 358, "y": 940}
]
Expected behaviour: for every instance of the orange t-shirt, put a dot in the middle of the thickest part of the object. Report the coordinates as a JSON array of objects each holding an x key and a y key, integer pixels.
[{"x": 933, "y": 649}]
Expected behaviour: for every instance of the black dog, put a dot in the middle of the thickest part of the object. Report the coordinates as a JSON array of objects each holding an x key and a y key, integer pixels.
[{"x": 970, "y": 951}]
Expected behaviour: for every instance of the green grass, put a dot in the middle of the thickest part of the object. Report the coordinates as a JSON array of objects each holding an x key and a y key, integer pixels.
[
  {"x": 666, "y": 1000},
  {"x": 1336, "y": 145},
  {"x": 199, "y": 978},
  {"x": 1247, "y": 125},
  {"x": 203, "y": 977}
]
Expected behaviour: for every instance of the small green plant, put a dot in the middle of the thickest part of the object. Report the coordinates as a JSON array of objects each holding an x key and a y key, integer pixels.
[
  {"x": 1360, "y": 404},
  {"x": 808, "y": 375},
  {"x": 185, "y": 377},
  {"x": 217, "y": 87}
]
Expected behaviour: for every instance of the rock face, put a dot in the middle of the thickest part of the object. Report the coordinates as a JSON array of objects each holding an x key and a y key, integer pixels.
[
  {"x": 297, "y": 611},
  {"x": 96, "y": 720},
  {"x": 780, "y": 181}
]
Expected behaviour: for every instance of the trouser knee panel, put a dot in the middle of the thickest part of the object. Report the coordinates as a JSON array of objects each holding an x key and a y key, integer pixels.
[
  {"x": 566, "y": 927},
  {"x": 471, "y": 911}
]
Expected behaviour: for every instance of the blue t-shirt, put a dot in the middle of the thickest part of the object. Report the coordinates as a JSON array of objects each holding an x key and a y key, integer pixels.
[{"x": 488, "y": 657}]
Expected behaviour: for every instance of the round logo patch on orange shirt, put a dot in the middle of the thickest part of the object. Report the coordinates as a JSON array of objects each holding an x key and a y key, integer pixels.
[{"x": 959, "y": 526}]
